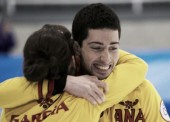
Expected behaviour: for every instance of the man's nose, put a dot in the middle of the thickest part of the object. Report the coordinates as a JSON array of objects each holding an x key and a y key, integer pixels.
[{"x": 105, "y": 57}]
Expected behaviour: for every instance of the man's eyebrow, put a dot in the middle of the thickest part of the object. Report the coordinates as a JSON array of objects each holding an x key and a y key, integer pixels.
[
  {"x": 95, "y": 43},
  {"x": 114, "y": 43},
  {"x": 102, "y": 43}
]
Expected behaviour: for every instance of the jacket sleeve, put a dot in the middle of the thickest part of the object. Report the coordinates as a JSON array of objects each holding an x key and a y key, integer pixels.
[
  {"x": 17, "y": 91},
  {"x": 129, "y": 72}
]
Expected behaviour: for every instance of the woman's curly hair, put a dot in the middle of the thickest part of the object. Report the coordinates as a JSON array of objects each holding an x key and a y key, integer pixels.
[{"x": 47, "y": 53}]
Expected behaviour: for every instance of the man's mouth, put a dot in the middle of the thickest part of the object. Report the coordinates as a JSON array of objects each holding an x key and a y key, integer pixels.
[{"x": 100, "y": 67}]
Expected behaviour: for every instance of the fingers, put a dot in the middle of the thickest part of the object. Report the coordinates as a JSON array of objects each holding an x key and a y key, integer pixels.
[
  {"x": 94, "y": 98},
  {"x": 88, "y": 87},
  {"x": 100, "y": 84},
  {"x": 97, "y": 94},
  {"x": 91, "y": 99}
]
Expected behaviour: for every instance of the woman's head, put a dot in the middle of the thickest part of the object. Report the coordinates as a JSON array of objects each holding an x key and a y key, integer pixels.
[{"x": 47, "y": 53}]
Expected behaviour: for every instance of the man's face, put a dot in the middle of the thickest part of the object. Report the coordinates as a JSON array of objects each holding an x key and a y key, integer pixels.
[{"x": 99, "y": 52}]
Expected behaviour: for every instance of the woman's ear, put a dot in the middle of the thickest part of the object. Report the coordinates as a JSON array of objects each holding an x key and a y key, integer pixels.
[{"x": 76, "y": 48}]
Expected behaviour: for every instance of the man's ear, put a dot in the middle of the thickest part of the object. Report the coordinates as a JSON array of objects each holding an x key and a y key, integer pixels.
[{"x": 76, "y": 48}]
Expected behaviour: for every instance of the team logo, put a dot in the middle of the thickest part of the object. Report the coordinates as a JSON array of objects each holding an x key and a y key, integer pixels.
[
  {"x": 164, "y": 112},
  {"x": 129, "y": 104},
  {"x": 130, "y": 113}
]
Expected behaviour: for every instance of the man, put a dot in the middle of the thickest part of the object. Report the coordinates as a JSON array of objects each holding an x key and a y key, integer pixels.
[{"x": 96, "y": 28}]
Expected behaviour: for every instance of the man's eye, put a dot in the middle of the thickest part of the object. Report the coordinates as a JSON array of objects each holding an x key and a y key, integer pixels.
[
  {"x": 113, "y": 48},
  {"x": 96, "y": 48}
]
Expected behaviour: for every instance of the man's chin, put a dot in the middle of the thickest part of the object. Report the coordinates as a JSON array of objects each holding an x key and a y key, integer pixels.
[{"x": 102, "y": 77}]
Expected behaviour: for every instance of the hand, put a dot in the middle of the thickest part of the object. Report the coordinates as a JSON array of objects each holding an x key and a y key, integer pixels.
[{"x": 86, "y": 87}]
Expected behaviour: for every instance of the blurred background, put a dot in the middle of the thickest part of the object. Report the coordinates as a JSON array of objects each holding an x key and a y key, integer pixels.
[{"x": 145, "y": 32}]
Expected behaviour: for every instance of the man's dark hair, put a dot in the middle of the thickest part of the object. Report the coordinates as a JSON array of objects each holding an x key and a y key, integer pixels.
[
  {"x": 47, "y": 54},
  {"x": 94, "y": 16}
]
